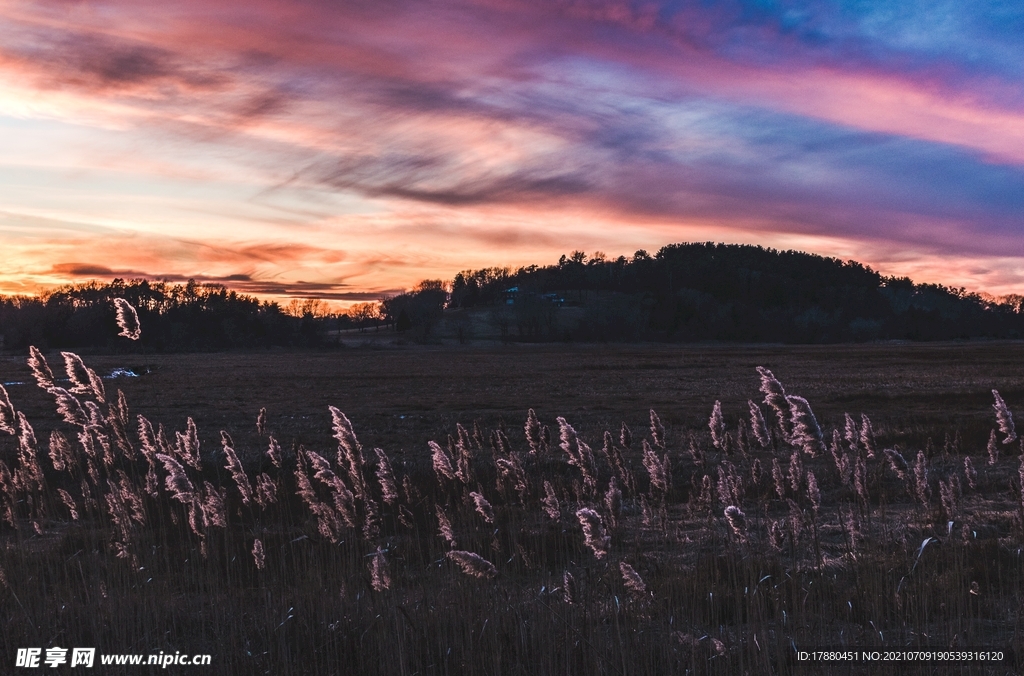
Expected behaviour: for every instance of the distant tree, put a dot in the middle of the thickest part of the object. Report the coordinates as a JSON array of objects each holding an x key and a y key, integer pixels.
[{"x": 404, "y": 323}]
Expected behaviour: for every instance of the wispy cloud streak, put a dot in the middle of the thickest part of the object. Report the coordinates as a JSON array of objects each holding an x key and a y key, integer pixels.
[{"x": 349, "y": 148}]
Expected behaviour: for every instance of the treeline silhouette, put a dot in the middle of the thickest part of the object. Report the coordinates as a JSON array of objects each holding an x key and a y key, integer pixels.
[
  {"x": 174, "y": 317},
  {"x": 684, "y": 292},
  {"x": 707, "y": 291}
]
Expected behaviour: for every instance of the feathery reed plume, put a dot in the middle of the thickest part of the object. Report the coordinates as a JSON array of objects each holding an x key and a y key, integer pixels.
[
  {"x": 60, "y": 451},
  {"x": 70, "y": 408},
  {"x": 235, "y": 467},
  {"x": 578, "y": 453},
  {"x": 257, "y": 553},
  {"x": 147, "y": 438},
  {"x": 569, "y": 442},
  {"x": 266, "y": 490},
  {"x": 410, "y": 493},
  {"x": 187, "y": 447},
  {"x": 510, "y": 471},
  {"x": 211, "y": 503},
  {"x": 8, "y": 491},
  {"x": 647, "y": 514},
  {"x": 405, "y": 517},
  {"x": 350, "y": 453},
  {"x": 758, "y": 425},
  {"x": 860, "y": 479},
  {"x": 805, "y": 431},
  {"x": 386, "y": 477},
  {"x": 778, "y": 479},
  {"x": 127, "y": 319},
  {"x": 550, "y": 502},
  {"x": 655, "y": 469},
  {"x": 274, "y": 452},
  {"x": 851, "y": 433},
  {"x": 795, "y": 520},
  {"x": 993, "y": 448},
  {"x": 1020, "y": 475},
  {"x": 261, "y": 422},
  {"x": 40, "y": 369},
  {"x": 7, "y": 416},
  {"x": 444, "y": 526},
  {"x": 613, "y": 502},
  {"x": 328, "y": 523},
  {"x": 742, "y": 437},
  {"x": 897, "y": 463},
  {"x": 177, "y": 482},
  {"x": 483, "y": 508},
  {"x": 28, "y": 459},
  {"x": 717, "y": 426},
  {"x": 594, "y": 533},
  {"x": 380, "y": 572},
  {"x": 756, "y": 473},
  {"x": 737, "y": 521},
  {"x": 121, "y": 409},
  {"x": 921, "y": 478},
  {"x": 775, "y": 398},
  {"x": 371, "y": 519},
  {"x": 813, "y": 494},
  {"x": 948, "y": 496},
  {"x": 625, "y": 437},
  {"x": 344, "y": 501},
  {"x": 839, "y": 457},
  {"x": 133, "y": 500},
  {"x": 634, "y": 583},
  {"x": 657, "y": 430},
  {"x": 96, "y": 420},
  {"x": 796, "y": 471},
  {"x": 464, "y": 454},
  {"x": 442, "y": 463},
  {"x": 148, "y": 441},
  {"x": 588, "y": 466},
  {"x": 723, "y": 488},
  {"x": 478, "y": 436},
  {"x": 615, "y": 459},
  {"x": 69, "y": 502},
  {"x": 104, "y": 441},
  {"x": 99, "y": 392},
  {"x": 867, "y": 435},
  {"x": 532, "y": 429},
  {"x": 118, "y": 429},
  {"x": 1004, "y": 417},
  {"x": 500, "y": 445},
  {"x": 568, "y": 588},
  {"x": 473, "y": 564},
  {"x": 970, "y": 473},
  {"x": 776, "y": 535},
  {"x": 695, "y": 452},
  {"x": 77, "y": 373}
]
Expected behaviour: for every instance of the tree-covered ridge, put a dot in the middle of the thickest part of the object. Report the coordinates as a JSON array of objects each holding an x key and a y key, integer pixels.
[
  {"x": 188, "y": 316},
  {"x": 685, "y": 292},
  {"x": 707, "y": 291}
]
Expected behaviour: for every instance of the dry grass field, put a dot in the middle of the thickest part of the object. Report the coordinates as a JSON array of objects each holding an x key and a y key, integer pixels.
[{"x": 353, "y": 574}]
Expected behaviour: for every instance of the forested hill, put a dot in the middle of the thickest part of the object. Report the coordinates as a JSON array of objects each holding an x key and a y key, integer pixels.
[
  {"x": 685, "y": 292},
  {"x": 707, "y": 291}
]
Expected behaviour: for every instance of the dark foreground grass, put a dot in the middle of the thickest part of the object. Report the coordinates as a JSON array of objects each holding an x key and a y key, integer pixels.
[{"x": 851, "y": 573}]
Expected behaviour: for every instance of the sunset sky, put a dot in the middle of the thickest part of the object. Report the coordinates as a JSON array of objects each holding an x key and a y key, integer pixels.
[{"x": 348, "y": 149}]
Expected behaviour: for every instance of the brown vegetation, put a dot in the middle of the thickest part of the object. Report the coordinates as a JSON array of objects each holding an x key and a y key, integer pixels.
[{"x": 257, "y": 537}]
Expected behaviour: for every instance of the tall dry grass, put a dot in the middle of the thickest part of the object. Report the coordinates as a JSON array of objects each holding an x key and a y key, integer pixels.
[{"x": 499, "y": 554}]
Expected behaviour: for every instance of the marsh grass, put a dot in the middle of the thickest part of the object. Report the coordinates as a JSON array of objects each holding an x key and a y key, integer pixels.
[{"x": 462, "y": 558}]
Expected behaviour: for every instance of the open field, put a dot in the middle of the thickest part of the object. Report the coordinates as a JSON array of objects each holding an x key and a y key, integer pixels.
[{"x": 840, "y": 566}]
